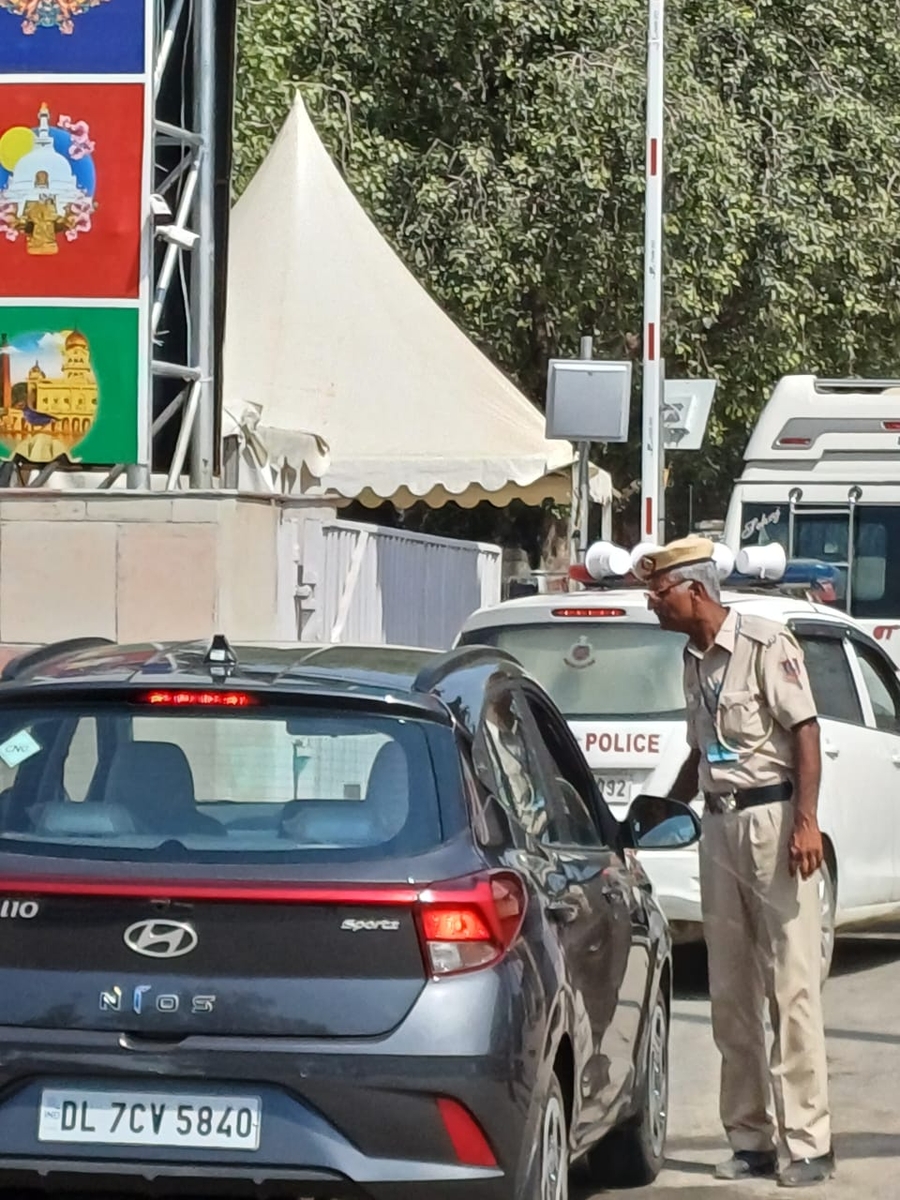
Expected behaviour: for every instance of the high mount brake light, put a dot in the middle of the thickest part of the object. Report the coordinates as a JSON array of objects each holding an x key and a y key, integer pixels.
[
  {"x": 587, "y": 613},
  {"x": 794, "y": 441},
  {"x": 185, "y": 699}
]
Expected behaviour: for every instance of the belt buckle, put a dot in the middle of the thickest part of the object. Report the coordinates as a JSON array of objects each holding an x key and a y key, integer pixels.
[{"x": 729, "y": 801}]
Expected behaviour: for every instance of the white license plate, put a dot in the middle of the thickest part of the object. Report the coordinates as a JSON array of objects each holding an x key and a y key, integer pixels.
[
  {"x": 107, "y": 1118},
  {"x": 614, "y": 788}
]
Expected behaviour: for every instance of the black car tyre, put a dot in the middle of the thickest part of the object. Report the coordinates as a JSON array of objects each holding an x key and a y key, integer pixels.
[
  {"x": 632, "y": 1155},
  {"x": 827, "y": 905},
  {"x": 553, "y": 1143}
]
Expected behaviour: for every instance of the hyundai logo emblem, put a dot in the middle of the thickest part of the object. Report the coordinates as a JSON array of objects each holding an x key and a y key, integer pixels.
[{"x": 161, "y": 939}]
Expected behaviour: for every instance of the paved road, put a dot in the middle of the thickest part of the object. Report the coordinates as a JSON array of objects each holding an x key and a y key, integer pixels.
[{"x": 862, "y": 1006}]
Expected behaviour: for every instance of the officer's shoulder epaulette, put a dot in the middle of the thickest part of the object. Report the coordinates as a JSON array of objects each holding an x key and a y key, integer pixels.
[{"x": 761, "y": 629}]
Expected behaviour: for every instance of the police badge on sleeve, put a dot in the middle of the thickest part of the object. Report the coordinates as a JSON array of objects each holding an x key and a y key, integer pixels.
[{"x": 790, "y": 668}]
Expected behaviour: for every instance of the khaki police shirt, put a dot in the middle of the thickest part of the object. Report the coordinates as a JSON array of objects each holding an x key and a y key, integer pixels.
[{"x": 748, "y": 691}]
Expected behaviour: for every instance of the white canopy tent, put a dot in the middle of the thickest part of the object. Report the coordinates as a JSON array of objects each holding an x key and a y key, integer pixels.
[{"x": 342, "y": 375}]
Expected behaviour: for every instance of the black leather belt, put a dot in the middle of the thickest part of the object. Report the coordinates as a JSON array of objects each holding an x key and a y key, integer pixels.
[{"x": 740, "y": 798}]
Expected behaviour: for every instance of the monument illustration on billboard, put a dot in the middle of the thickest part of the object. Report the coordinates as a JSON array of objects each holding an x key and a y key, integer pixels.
[
  {"x": 71, "y": 171},
  {"x": 47, "y": 183},
  {"x": 69, "y": 391}
]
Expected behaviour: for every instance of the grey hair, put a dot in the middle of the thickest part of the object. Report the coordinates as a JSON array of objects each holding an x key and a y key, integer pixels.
[{"x": 705, "y": 573}]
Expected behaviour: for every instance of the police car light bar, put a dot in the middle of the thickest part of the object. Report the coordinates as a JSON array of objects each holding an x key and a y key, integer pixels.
[
  {"x": 609, "y": 566},
  {"x": 798, "y": 572}
]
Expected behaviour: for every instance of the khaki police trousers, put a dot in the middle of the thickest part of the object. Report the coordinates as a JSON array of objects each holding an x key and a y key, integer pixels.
[{"x": 763, "y": 933}]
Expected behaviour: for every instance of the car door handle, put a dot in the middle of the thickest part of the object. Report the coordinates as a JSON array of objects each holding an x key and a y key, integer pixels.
[
  {"x": 831, "y": 749},
  {"x": 895, "y": 759}
]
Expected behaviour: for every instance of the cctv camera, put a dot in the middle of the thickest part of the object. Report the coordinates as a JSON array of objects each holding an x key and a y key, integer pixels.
[{"x": 185, "y": 239}]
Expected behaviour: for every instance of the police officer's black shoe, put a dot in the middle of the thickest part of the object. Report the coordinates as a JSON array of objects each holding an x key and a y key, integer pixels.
[
  {"x": 748, "y": 1164},
  {"x": 804, "y": 1172}
]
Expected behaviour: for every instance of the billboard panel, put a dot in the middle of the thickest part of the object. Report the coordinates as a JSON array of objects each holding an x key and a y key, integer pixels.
[
  {"x": 71, "y": 182},
  {"x": 70, "y": 383},
  {"x": 72, "y": 37},
  {"x": 76, "y": 114}
]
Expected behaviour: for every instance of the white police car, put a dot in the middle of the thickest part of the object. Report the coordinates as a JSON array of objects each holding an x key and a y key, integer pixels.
[{"x": 618, "y": 679}]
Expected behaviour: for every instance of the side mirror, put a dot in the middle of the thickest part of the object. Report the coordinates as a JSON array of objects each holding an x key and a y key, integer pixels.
[{"x": 658, "y": 823}]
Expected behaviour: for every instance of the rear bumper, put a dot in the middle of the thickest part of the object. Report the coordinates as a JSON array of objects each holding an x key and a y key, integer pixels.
[
  {"x": 152, "y": 1180},
  {"x": 339, "y": 1119}
]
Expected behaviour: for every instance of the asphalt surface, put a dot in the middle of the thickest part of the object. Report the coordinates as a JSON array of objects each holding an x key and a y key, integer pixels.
[{"x": 862, "y": 1013}]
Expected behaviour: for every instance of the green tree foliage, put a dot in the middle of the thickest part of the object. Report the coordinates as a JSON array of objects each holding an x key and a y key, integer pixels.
[{"x": 499, "y": 146}]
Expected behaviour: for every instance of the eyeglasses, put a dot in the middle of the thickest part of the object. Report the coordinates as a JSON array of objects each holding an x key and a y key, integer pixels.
[{"x": 661, "y": 593}]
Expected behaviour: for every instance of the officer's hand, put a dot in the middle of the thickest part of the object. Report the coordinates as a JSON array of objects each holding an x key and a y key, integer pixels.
[{"x": 805, "y": 852}]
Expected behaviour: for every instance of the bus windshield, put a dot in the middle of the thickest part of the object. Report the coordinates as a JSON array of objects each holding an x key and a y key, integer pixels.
[{"x": 869, "y": 537}]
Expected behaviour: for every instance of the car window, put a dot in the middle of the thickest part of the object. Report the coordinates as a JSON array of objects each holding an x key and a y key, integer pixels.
[
  {"x": 506, "y": 763},
  {"x": 254, "y": 783},
  {"x": 834, "y": 690},
  {"x": 567, "y": 778},
  {"x": 882, "y": 687},
  {"x": 602, "y": 668}
]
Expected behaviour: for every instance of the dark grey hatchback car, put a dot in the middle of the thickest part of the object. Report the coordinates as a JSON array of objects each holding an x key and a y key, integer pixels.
[{"x": 319, "y": 922}]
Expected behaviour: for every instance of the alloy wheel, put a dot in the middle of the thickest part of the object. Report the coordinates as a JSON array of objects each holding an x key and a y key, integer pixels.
[
  {"x": 658, "y": 1080},
  {"x": 554, "y": 1153}
]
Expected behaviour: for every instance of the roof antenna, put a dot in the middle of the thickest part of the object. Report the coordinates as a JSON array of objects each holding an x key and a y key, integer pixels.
[{"x": 220, "y": 657}]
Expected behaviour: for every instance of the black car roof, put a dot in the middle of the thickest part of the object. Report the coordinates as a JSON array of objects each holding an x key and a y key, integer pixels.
[{"x": 427, "y": 679}]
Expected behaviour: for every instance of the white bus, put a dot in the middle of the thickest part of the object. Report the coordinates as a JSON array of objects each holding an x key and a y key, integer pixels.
[{"x": 822, "y": 477}]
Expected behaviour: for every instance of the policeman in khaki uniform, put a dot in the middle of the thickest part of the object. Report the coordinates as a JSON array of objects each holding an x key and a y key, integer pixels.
[{"x": 754, "y": 754}]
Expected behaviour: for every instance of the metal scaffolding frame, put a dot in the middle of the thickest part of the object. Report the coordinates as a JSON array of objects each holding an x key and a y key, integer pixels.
[
  {"x": 185, "y": 191},
  {"x": 182, "y": 217}
]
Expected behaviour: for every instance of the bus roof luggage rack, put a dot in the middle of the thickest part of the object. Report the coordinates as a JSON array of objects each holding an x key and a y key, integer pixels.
[{"x": 856, "y": 385}]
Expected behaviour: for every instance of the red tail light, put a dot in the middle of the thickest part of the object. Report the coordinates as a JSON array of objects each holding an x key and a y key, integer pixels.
[
  {"x": 469, "y": 1143},
  {"x": 794, "y": 441},
  {"x": 470, "y": 923}
]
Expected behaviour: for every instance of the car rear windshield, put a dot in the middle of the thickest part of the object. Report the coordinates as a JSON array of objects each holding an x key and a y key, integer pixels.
[
  {"x": 609, "y": 668},
  {"x": 149, "y": 781}
]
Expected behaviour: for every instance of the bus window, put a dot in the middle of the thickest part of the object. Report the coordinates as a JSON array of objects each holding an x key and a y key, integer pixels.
[
  {"x": 826, "y": 538},
  {"x": 876, "y": 562},
  {"x": 764, "y": 523}
]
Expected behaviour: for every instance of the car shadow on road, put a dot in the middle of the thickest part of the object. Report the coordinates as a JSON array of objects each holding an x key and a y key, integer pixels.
[
  {"x": 863, "y": 951},
  {"x": 853, "y": 953}
]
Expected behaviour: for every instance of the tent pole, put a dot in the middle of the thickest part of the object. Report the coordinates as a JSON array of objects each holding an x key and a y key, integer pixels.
[{"x": 584, "y": 471}]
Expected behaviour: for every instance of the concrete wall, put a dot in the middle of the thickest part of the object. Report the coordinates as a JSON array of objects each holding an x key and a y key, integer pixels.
[{"x": 146, "y": 567}]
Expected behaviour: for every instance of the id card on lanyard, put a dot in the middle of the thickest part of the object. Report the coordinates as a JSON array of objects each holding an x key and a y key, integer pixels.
[{"x": 715, "y": 751}]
